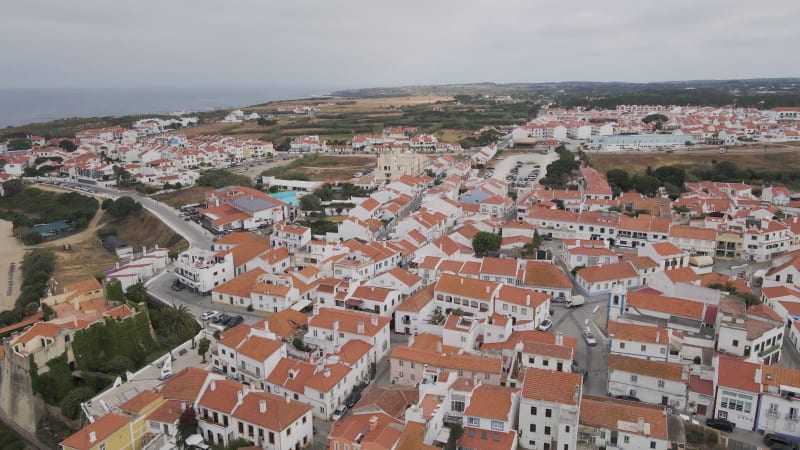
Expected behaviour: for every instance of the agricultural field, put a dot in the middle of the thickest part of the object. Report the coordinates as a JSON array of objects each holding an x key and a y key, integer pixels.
[{"x": 637, "y": 163}]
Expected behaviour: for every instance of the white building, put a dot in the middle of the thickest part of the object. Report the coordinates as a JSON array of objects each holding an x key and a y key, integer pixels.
[
  {"x": 657, "y": 382},
  {"x": 549, "y": 409},
  {"x": 203, "y": 270}
]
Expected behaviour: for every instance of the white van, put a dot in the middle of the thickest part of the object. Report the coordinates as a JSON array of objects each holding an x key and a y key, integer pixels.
[{"x": 576, "y": 300}]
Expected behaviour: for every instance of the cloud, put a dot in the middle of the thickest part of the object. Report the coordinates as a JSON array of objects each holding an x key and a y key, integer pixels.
[{"x": 354, "y": 43}]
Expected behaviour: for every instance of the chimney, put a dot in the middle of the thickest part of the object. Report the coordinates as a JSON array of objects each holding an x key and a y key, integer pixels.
[
  {"x": 213, "y": 385},
  {"x": 266, "y": 326},
  {"x": 287, "y": 399},
  {"x": 315, "y": 309},
  {"x": 239, "y": 396},
  {"x": 658, "y": 337},
  {"x": 758, "y": 376},
  {"x": 92, "y": 437},
  {"x": 640, "y": 425},
  {"x": 374, "y": 321},
  {"x": 559, "y": 339},
  {"x": 438, "y": 346},
  {"x": 487, "y": 289},
  {"x": 183, "y": 406},
  {"x": 335, "y": 327},
  {"x": 326, "y": 373},
  {"x": 411, "y": 340},
  {"x": 528, "y": 299},
  {"x": 373, "y": 423},
  {"x": 262, "y": 406},
  {"x": 360, "y": 327},
  {"x": 461, "y": 280},
  {"x": 576, "y": 397},
  {"x": 372, "y": 288}
]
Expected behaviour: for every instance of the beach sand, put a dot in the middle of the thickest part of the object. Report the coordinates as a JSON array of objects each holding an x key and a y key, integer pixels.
[{"x": 11, "y": 250}]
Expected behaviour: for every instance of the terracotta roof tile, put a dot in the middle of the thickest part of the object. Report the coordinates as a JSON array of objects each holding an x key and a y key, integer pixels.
[
  {"x": 608, "y": 413},
  {"x": 552, "y": 386}
]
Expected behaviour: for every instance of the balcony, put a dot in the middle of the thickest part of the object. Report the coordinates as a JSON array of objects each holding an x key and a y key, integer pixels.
[
  {"x": 769, "y": 351},
  {"x": 792, "y": 416}
]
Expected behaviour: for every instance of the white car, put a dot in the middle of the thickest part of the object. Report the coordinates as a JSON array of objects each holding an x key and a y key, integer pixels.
[
  {"x": 339, "y": 412},
  {"x": 209, "y": 315},
  {"x": 545, "y": 325}
]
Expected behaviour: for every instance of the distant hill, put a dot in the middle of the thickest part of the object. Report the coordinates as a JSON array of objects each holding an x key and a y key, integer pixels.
[{"x": 758, "y": 93}]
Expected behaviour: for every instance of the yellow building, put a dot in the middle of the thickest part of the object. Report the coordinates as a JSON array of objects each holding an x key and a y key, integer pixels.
[
  {"x": 127, "y": 431},
  {"x": 110, "y": 432},
  {"x": 730, "y": 246}
]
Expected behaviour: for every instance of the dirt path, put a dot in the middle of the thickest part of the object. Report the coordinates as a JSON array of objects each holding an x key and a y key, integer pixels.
[
  {"x": 11, "y": 251},
  {"x": 86, "y": 235}
]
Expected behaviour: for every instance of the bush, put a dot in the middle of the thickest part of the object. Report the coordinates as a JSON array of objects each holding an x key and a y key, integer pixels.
[
  {"x": 218, "y": 178},
  {"x": 71, "y": 404},
  {"x": 300, "y": 345}
]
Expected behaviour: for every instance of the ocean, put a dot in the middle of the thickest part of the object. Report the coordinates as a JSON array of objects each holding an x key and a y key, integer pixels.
[{"x": 23, "y": 106}]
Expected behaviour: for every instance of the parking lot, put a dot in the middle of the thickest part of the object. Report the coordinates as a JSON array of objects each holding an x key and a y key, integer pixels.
[{"x": 521, "y": 170}]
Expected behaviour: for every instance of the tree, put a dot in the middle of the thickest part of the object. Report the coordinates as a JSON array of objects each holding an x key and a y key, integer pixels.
[
  {"x": 658, "y": 118},
  {"x": 619, "y": 178},
  {"x": 187, "y": 426},
  {"x": 484, "y": 242},
  {"x": 646, "y": 184},
  {"x": 71, "y": 403},
  {"x": 19, "y": 144},
  {"x": 121, "y": 175},
  {"x": 310, "y": 202},
  {"x": 30, "y": 309},
  {"x": 67, "y": 145},
  {"x": 136, "y": 293},
  {"x": 177, "y": 321},
  {"x": 123, "y": 207},
  {"x": 12, "y": 187},
  {"x": 671, "y": 174},
  {"x": 202, "y": 348}
]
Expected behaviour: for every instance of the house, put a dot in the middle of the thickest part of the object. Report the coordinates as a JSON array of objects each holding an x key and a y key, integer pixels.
[
  {"x": 577, "y": 253},
  {"x": 408, "y": 365},
  {"x": 657, "y": 382},
  {"x": 544, "y": 277},
  {"x": 697, "y": 241},
  {"x": 641, "y": 341},
  {"x": 111, "y": 431},
  {"x": 754, "y": 333},
  {"x": 293, "y": 237},
  {"x": 549, "y": 409},
  {"x": 524, "y": 307},
  {"x": 330, "y": 328},
  {"x": 598, "y": 279},
  {"x": 368, "y": 430},
  {"x": 778, "y": 408},
  {"x": 375, "y": 300},
  {"x": 273, "y": 422},
  {"x": 414, "y": 311},
  {"x": 737, "y": 389},
  {"x": 490, "y": 418},
  {"x": 203, "y": 270},
  {"x": 622, "y": 424},
  {"x": 666, "y": 254},
  {"x": 398, "y": 279},
  {"x": 237, "y": 207},
  {"x": 247, "y": 353}
]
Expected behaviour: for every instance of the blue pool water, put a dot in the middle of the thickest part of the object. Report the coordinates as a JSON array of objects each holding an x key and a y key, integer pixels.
[{"x": 289, "y": 197}]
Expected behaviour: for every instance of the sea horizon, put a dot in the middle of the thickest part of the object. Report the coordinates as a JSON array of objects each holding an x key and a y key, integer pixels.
[{"x": 37, "y": 105}]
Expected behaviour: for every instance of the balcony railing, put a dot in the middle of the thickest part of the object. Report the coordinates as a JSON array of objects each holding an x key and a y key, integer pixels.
[
  {"x": 769, "y": 351},
  {"x": 794, "y": 417}
]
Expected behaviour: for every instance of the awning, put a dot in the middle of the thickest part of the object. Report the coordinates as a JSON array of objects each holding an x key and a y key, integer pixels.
[
  {"x": 354, "y": 302},
  {"x": 301, "y": 304},
  {"x": 701, "y": 261}
]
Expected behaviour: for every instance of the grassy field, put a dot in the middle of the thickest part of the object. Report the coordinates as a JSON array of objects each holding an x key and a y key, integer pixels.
[
  {"x": 89, "y": 257},
  {"x": 637, "y": 163},
  {"x": 335, "y": 167},
  {"x": 188, "y": 196}
]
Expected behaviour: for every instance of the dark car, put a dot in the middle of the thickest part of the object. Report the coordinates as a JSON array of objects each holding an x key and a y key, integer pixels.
[
  {"x": 779, "y": 441},
  {"x": 353, "y": 399},
  {"x": 177, "y": 286},
  {"x": 221, "y": 319},
  {"x": 629, "y": 398},
  {"x": 721, "y": 424},
  {"x": 233, "y": 321}
]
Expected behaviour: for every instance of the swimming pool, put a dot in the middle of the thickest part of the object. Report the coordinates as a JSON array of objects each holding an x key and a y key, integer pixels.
[{"x": 289, "y": 197}]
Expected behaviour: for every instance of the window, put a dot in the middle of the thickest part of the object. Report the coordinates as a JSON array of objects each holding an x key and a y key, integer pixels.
[
  {"x": 566, "y": 429},
  {"x": 533, "y": 410},
  {"x": 661, "y": 383},
  {"x": 547, "y": 431},
  {"x": 622, "y": 345},
  {"x": 652, "y": 444},
  {"x": 626, "y": 439},
  {"x": 401, "y": 363},
  {"x": 457, "y": 405},
  {"x": 497, "y": 425},
  {"x": 735, "y": 342},
  {"x": 644, "y": 348},
  {"x": 532, "y": 428},
  {"x": 548, "y": 412},
  {"x": 634, "y": 378},
  {"x": 474, "y": 421}
]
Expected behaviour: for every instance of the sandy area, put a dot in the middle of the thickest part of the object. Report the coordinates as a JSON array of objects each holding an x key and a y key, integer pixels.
[{"x": 10, "y": 251}]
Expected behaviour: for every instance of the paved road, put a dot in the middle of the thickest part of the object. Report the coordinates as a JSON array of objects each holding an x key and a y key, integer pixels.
[
  {"x": 572, "y": 322},
  {"x": 192, "y": 232},
  {"x": 160, "y": 288}
]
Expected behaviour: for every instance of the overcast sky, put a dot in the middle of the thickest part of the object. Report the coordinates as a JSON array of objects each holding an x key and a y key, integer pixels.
[{"x": 348, "y": 43}]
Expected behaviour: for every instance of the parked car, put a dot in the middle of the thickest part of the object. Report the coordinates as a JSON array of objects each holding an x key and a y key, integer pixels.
[
  {"x": 723, "y": 425},
  {"x": 779, "y": 441},
  {"x": 221, "y": 319},
  {"x": 209, "y": 315},
  {"x": 339, "y": 412},
  {"x": 353, "y": 399},
  {"x": 588, "y": 336},
  {"x": 545, "y": 325},
  {"x": 177, "y": 286},
  {"x": 233, "y": 321},
  {"x": 560, "y": 299}
]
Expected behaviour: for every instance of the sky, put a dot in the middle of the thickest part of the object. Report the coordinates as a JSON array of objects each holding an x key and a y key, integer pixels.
[{"x": 352, "y": 43}]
